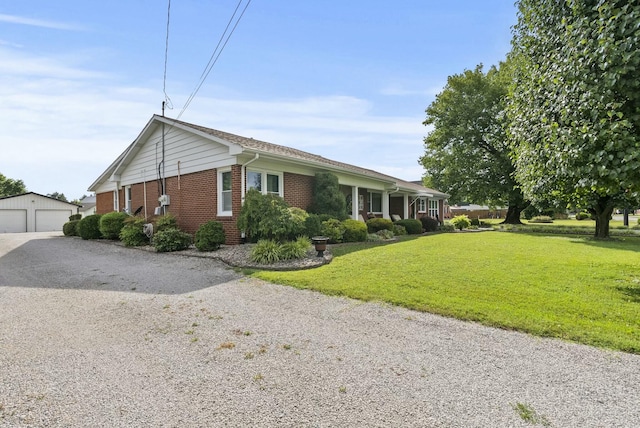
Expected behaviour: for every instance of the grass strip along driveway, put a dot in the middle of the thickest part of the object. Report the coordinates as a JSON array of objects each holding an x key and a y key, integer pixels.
[{"x": 568, "y": 287}]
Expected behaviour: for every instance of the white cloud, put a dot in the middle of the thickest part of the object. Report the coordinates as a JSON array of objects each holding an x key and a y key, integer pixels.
[
  {"x": 63, "y": 116},
  {"x": 12, "y": 19}
]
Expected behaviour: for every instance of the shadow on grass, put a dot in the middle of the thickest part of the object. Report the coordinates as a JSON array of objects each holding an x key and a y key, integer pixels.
[
  {"x": 632, "y": 293},
  {"x": 338, "y": 250}
]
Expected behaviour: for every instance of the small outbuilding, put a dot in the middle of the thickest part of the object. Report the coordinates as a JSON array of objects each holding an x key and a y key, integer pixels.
[{"x": 32, "y": 212}]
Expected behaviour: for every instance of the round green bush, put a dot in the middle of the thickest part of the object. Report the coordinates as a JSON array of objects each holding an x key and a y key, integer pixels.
[
  {"x": 461, "y": 222},
  {"x": 413, "y": 226},
  {"x": 313, "y": 225},
  {"x": 132, "y": 234},
  {"x": 354, "y": 231},
  {"x": 111, "y": 224},
  {"x": 376, "y": 224},
  {"x": 429, "y": 224},
  {"x": 541, "y": 219},
  {"x": 89, "y": 227},
  {"x": 166, "y": 221},
  {"x": 70, "y": 228},
  {"x": 75, "y": 217},
  {"x": 171, "y": 239},
  {"x": 333, "y": 229},
  {"x": 399, "y": 230},
  {"x": 209, "y": 236},
  {"x": 583, "y": 216}
]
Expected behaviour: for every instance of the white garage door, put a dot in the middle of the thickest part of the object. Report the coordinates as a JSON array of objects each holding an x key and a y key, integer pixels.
[
  {"x": 50, "y": 220},
  {"x": 13, "y": 221}
]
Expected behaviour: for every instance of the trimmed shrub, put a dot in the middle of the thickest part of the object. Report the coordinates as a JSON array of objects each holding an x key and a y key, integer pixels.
[
  {"x": 541, "y": 219},
  {"x": 399, "y": 230},
  {"x": 73, "y": 217},
  {"x": 475, "y": 221},
  {"x": 413, "y": 226},
  {"x": 313, "y": 225},
  {"x": 209, "y": 236},
  {"x": 167, "y": 221},
  {"x": 70, "y": 228},
  {"x": 333, "y": 229},
  {"x": 266, "y": 251},
  {"x": 372, "y": 237},
  {"x": 111, "y": 224},
  {"x": 89, "y": 227},
  {"x": 429, "y": 224},
  {"x": 354, "y": 231},
  {"x": 298, "y": 217},
  {"x": 266, "y": 217},
  {"x": 385, "y": 234},
  {"x": 376, "y": 224},
  {"x": 460, "y": 222},
  {"x": 327, "y": 197},
  {"x": 295, "y": 249},
  {"x": 447, "y": 227},
  {"x": 583, "y": 216},
  {"x": 171, "y": 239},
  {"x": 132, "y": 234}
]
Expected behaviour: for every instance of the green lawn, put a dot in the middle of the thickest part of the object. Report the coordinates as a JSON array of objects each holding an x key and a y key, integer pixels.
[{"x": 569, "y": 287}]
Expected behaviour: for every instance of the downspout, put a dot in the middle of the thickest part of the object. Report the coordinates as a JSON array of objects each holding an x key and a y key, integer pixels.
[{"x": 243, "y": 185}]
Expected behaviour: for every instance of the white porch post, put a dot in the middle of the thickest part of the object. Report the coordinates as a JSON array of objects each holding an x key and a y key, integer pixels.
[
  {"x": 385, "y": 204},
  {"x": 354, "y": 202},
  {"x": 405, "y": 206}
]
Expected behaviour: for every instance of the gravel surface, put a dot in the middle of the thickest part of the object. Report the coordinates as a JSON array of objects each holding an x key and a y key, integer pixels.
[{"x": 97, "y": 335}]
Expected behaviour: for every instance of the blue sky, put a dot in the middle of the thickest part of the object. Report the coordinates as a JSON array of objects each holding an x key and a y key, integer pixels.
[{"x": 348, "y": 80}]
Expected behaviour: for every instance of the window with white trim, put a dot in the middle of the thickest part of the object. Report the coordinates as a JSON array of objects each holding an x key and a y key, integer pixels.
[
  {"x": 375, "y": 202},
  {"x": 225, "y": 200},
  {"x": 433, "y": 208},
  {"x": 265, "y": 182},
  {"x": 422, "y": 205},
  {"x": 115, "y": 201},
  {"x": 127, "y": 199}
]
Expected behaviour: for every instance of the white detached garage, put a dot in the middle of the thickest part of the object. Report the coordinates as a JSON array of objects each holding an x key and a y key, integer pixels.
[{"x": 32, "y": 212}]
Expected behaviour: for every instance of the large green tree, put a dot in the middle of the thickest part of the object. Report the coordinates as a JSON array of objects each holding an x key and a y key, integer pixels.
[
  {"x": 466, "y": 152},
  {"x": 575, "y": 103},
  {"x": 10, "y": 187}
]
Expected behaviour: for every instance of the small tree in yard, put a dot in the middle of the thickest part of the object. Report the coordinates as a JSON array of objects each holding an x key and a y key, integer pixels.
[{"x": 461, "y": 222}]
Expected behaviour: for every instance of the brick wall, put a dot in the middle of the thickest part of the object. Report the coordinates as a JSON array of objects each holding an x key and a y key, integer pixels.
[
  {"x": 298, "y": 190},
  {"x": 104, "y": 202},
  {"x": 396, "y": 206}
]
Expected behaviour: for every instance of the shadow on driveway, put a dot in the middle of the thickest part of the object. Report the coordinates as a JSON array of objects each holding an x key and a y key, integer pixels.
[{"x": 72, "y": 263}]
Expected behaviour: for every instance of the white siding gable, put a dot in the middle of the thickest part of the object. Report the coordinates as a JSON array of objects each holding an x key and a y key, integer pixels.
[{"x": 194, "y": 153}]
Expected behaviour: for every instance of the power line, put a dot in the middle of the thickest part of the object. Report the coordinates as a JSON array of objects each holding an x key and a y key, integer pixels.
[
  {"x": 216, "y": 53},
  {"x": 167, "y": 100}
]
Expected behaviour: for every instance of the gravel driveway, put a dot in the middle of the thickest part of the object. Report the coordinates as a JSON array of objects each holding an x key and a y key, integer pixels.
[{"x": 96, "y": 335}]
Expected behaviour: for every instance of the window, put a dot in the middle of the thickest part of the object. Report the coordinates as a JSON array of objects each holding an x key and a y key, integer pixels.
[
  {"x": 225, "y": 204},
  {"x": 375, "y": 202},
  {"x": 264, "y": 182},
  {"x": 127, "y": 198},
  {"x": 115, "y": 201},
  {"x": 422, "y": 205},
  {"x": 433, "y": 208}
]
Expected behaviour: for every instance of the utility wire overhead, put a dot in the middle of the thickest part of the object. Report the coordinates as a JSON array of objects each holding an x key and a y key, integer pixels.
[{"x": 217, "y": 52}]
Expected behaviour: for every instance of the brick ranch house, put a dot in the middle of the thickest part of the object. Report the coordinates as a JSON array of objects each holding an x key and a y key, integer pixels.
[{"x": 200, "y": 174}]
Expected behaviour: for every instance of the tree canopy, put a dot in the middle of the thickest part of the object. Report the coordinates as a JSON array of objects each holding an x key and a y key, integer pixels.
[
  {"x": 10, "y": 187},
  {"x": 467, "y": 153},
  {"x": 58, "y": 196},
  {"x": 575, "y": 104}
]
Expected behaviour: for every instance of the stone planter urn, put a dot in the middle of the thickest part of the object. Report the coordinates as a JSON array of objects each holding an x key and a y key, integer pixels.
[{"x": 320, "y": 243}]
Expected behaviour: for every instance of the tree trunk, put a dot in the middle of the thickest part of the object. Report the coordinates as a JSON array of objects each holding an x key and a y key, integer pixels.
[
  {"x": 601, "y": 212},
  {"x": 513, "y": 215}
]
